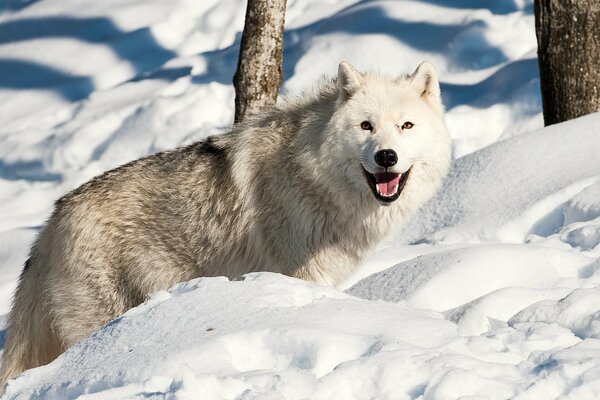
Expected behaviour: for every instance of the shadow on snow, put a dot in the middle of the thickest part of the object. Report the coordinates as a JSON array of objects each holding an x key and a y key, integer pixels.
[
  {"x": 464, "y": 45},
  {"x": 138, "y": 48},
  {"x": 503, "y": 85},
  {"x": 495, "y": 6}
]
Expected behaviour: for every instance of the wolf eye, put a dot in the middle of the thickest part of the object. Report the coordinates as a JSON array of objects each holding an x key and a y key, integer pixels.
[
  {"x": 366, "y": 125},
  {"x": 407, "y": 125}
]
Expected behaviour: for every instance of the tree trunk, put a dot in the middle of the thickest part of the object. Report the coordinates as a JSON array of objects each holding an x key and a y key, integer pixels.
[
  {"x": 258, "y": 74},
  {"x": 568, "y": 34}
]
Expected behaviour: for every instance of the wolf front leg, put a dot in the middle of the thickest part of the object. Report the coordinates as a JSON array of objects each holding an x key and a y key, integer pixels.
[{"x": 328, "y": 267}]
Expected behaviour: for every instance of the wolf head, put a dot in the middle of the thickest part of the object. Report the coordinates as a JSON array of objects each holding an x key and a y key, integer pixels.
[{"x": 391, "y": 133}]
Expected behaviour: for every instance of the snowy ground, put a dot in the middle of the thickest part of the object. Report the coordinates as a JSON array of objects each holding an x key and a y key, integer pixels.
[{"x": 492, "y": 291}]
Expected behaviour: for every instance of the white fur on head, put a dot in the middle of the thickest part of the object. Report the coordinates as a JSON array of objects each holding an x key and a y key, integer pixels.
[
  {"x": 425, "y": 81},
  {"x": 349, "y": 80}
]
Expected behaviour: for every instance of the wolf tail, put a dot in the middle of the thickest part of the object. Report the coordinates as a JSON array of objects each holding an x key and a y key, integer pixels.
[{"x": 30, "y": 341}]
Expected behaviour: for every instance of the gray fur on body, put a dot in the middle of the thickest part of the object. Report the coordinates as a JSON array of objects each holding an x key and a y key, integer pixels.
[{"x": 282, "y": 192}]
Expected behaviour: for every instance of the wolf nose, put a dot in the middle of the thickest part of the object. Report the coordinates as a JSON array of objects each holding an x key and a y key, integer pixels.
[{"x": 386, "y": 158}]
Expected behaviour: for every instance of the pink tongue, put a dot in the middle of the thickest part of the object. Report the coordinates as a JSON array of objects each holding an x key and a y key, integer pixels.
[{"x": 387, "y": 182}]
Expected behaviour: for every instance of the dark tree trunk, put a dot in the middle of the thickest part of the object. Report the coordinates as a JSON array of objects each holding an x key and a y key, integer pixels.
[
  {"x": 258, "y": 74},
  {"x": 568, "y": 34}
]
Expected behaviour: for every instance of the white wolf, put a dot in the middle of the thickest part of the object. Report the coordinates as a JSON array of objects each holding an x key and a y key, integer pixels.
[{"x": 306, "y": 189}]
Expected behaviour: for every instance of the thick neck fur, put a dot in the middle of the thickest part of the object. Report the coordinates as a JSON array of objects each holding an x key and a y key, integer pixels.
[{"x": 289, "y": 175}]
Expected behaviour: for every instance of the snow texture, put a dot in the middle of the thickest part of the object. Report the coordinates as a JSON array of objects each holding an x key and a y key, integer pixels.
[{"x": 491, "y": 292}]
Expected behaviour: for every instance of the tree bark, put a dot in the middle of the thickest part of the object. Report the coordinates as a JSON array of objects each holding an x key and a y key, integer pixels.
[
  {"x": 568, "y": 34},
  {"x": 258, "y": 73}
]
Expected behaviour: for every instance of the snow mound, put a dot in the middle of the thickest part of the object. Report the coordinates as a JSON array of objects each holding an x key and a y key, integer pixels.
[
  {"x": 271, "y": 336},
  {"x": 508, "y": 190},
  {"x": 579, "y": 312},
  {"x": 212, "y": 338},
  {"x": 585, "y": 206},
  {"x": 472, "y": 284},
  {"x": 582, "y": 220}
]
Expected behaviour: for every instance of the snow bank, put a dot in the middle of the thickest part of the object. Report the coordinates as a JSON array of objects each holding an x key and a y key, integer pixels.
[
  {"x": 585, "y": 206},
  {"x": 472, "y": 284},
  {"x": 211, "y": 338},
  {"x": 509, "y": 190},
  {"x": 270, "y": 335}
]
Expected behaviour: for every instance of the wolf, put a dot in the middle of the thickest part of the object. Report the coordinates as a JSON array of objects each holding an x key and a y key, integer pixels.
[{"x": 305, "y": 189}]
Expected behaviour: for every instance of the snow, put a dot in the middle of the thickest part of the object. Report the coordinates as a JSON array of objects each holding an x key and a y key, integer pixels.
[
  {"x": 278, "y": 332},
  {"x": 491, "y": 291},
  {"x": 271, "y": 335}
]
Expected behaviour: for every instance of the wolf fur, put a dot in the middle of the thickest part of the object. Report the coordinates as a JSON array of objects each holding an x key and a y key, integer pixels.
[{"x": 285, "y": 192}]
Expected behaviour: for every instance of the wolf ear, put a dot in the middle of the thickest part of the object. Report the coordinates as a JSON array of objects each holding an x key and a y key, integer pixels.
[
  {"x": 349, "y": 80},
  {"x": 425, "y": 81}
]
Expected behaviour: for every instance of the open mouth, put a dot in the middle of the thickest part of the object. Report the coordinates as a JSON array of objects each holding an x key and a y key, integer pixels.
[{"x": 387, "y": 186}]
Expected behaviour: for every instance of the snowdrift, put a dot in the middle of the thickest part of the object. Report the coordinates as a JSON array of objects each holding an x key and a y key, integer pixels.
[
  {"x": 212, "y": 338},
  {"x": 510, "y": 180},
  {"x": 271, "y": 335}
]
